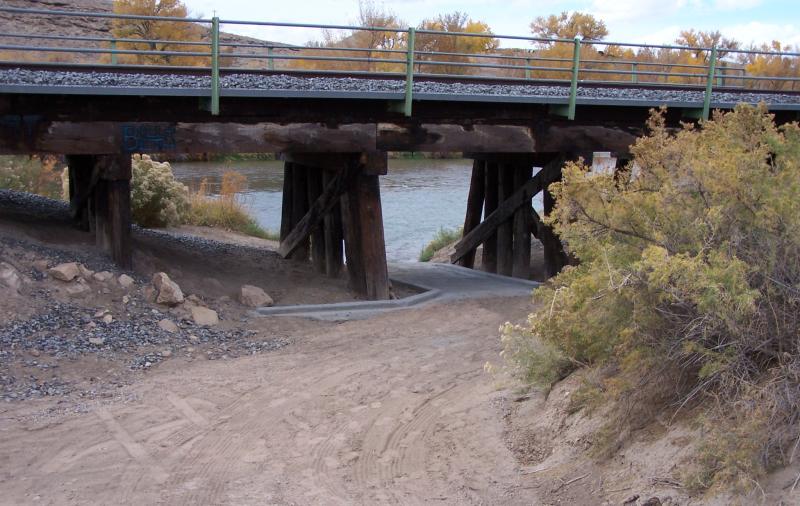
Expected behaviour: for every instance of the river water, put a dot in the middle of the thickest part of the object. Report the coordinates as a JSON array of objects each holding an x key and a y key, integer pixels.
[{"x": 419, "y": 196}]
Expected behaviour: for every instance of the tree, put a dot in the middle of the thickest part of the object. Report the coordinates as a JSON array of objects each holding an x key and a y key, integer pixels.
[
  {"x": 703, "y": 39},
  {"x": 569, "y": 26},
  {"x": 772, "y": 65},
  {"x": 456, "y": 22},
  {"x": 145, "y": 29}
]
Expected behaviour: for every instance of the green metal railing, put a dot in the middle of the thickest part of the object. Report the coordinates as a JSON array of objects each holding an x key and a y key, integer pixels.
[{"x": 412, "y": 56}]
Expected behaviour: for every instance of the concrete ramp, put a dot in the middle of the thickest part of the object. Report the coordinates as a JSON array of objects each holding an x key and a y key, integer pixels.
[{"x": 436, "y": 282}]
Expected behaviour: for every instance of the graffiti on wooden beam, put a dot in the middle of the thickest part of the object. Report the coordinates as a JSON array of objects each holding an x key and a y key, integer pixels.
[{"x": 148, "y": 138}]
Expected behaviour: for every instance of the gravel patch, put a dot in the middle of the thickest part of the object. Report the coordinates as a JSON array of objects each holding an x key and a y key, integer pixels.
[{"x": 320, "y": 84}]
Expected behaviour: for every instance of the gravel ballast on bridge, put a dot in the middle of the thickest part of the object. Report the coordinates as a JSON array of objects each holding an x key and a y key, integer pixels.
[{"x": 26, "y": 80}]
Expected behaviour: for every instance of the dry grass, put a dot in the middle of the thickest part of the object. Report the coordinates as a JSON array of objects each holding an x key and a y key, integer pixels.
[{"x": 227, "y": 210}]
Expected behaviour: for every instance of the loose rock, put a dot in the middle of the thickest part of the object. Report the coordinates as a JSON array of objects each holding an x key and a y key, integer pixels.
[
  {"x": 204, "y": 316},
  {"x": 168, "y": 325},
  {"x": 97, "y": 341},
  {"x": 9, "y": 277},
  {"x": 254, "y": 296},
  {"x": 65, "y": 272},
  {"x": 169, "y": 293},
  {"x": 102, "y": 276},
  {"x": 108, "y": 319},
  {"x": 86, "y": 273},
  {"x": 125, "y": 281},
  {"x": 77, "y": 289},
  {"x": 41, "y": 265}
]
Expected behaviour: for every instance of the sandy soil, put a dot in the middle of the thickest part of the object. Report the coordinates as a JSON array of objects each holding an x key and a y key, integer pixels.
[{"x": 363, "y": 412}]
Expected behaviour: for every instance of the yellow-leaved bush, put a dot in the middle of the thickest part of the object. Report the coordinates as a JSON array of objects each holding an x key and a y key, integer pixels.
[{"x": 687, "y": 286}]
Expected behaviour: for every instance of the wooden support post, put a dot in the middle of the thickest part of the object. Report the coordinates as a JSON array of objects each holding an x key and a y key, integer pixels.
[
  {"x": 505, "y": 232},
  {"x": 81, "y": 186},
  {"x": 474, "y": 207},
  {"x": 373, "y": 247},
  {"x": 112, "y": 198},
  {"x": 287, "y": 200},
  {"x": 332, "y": 226},
  {"x": 299, "y": 207},
  {"x": 352, "y": 232},
  {"x": 314, "y": 180},
  {"x": 555, "y": 258},
  {"x": 522, "y": 231},
  {"x": 489, "y": 206}
]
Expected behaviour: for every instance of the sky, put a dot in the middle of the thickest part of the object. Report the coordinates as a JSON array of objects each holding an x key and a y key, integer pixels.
[{"x": 641, "y": 21}]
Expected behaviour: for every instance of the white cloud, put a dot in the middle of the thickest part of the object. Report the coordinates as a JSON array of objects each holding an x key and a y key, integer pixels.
[
  {"x": 735, "y": 5},
  {"x": 757, "y": 32}
]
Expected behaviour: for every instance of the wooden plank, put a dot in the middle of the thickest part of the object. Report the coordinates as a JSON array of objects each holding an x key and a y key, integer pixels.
[
  {"x": 490, "y": 223},
  {"x": 317, "y": 235},
  {"x": 332, "y": 225},
  {"x": 287, "y": 200},
  {"x": 505, "y": 231},
  {"x": 522, "y": 231},
  {"x": 300, "y": 250},
  {"x": 373, "y": 247},
  {"x": 312, "y": 219},
  {"x": 489, "y": 258},
  {"x": 474, "y": 207}
]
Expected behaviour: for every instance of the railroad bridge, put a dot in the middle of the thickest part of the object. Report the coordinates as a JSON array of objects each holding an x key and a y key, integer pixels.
[{"x": 334, "y": 129}]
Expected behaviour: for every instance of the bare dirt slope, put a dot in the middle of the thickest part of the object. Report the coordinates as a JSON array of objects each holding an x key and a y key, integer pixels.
[{"x": 397, "y": 409}]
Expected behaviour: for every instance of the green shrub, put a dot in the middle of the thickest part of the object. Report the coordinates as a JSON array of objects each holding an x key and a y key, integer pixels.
[
  {"x": 442, "y": 238},
  {"x": 157, "y": 198},
  {"x": 688, "y": 285}
]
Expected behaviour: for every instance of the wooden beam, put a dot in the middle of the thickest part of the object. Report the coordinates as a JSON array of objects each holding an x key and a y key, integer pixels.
[
  {"x": 455, "y": 137},
  {"x": 332, "y": 225},
  {"x": 83, "y": 177},
  {"x": 505, "y": 231},
  {"x": 312, "y": 219},
  {"x": 317, "y": 234},
  {"x": 351, "y": 223},
  {"x": 483, "y": 231},
  {"x": 555, "y": 258},
  {"x": 489, "y": 241},
  {"x": 522, "y": 231},
  {"x": 474, "y": 207}
]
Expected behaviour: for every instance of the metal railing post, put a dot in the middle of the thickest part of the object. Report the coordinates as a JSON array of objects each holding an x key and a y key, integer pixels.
[
  {"x": 113, "y": 53},
  {"x": 409, "y": 72},
  {"x": 527, "y": 70},
  {"x": 573, "y": 85},
  {"x": 270, "y": 59},
  {"x": 712, "y": 63},
  {"x": 635, "y": 76},
  {"x": 215, "y": 66}
]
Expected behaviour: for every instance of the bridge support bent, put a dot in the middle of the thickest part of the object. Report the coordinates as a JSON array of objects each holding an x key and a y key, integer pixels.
[
  {"x": 339, "y": 195},
  {"x": 100, "y": 201}
]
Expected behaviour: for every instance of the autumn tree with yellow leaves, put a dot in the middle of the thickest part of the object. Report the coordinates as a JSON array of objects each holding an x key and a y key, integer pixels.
[
  {"x": 453, "y": 23},
  {"x": 168, "y": 34}
]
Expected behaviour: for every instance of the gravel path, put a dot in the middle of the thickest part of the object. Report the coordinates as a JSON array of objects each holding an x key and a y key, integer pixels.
[{"x": 337, "y": 84}]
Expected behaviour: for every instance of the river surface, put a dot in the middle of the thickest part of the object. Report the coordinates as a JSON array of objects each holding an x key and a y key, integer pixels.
[{"x": 419, "y": 196}]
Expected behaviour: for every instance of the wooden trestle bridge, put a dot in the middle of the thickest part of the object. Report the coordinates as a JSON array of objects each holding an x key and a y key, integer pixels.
[{"x": 334, "y": 136}]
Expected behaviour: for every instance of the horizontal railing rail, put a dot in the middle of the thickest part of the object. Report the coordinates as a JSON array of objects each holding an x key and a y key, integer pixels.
[{"x": 406, "y": 53}]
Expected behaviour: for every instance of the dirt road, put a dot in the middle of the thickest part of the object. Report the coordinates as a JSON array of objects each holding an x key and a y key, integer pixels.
[{"x": 396, "y": 409}]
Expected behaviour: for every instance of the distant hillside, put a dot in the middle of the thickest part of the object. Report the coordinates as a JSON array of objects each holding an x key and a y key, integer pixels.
[{"x": 89, "y": 27}]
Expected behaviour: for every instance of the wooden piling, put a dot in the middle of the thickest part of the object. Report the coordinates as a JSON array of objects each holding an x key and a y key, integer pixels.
[
  {"x": 555, "y": 258},
  {"x": 474, "y": 206},
  {"x": 81, "y": 186},
  {"x": 314, "y": 186},
  {"x": 489, "y": 205},
  {"x": 522, "y": 227},
  {"x": 505, "y": 233},
  {"x": 299, "y": 207},
  {"x": 287, "y": 200},
  {"x": 112, "y": 207},
  {"x": 333, "y": 234}
]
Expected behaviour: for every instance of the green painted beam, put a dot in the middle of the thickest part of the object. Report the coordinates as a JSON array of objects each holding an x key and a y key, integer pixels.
[{"x": 215, "y": 66}]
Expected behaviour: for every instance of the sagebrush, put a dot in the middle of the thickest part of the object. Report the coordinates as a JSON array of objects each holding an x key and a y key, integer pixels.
[
  {"x": 687, "y": 287},
  {"x": 157, "y": 198},
  {"x": 443, "y": 237}
]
